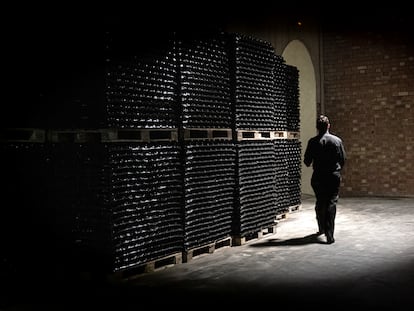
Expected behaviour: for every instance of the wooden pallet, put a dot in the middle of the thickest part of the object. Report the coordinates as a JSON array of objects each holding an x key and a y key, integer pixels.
[
  {"x": 206, "y": 134},
  {"x": 74, "y": 136},
  {"x": 293, "y": 135},
  {"x": 295, "y": 208},
  {"x": 112, "y": 135},
  {"x": 206, "y": 249},
  {"x": 254, "y": 135},
  {"x": 279, "y": 134},
  {"x": 26, "y": 135},
  {"x": 282, "y": 216},
  {"x": 262, "y": 135},
  {"x": 148, "y": 267},
  {"x": 139, "y": 135},
  {"x": 241, "y": 240}
]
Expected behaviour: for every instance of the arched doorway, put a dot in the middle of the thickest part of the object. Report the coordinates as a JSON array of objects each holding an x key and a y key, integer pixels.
[{"x": 296, "y": 54}]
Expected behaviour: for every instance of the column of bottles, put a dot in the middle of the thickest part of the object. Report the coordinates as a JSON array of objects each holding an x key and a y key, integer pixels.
[
  {"x": 209, "y": 184},
  {"x": 292, "y": 98},
  {"x": 256, "y": 200},
  {"x": 141, "y": 82},
  {"x": 204, "y": 81},
  {"x": 280, "y": 94},
  {"x": 253, "y": 69}
]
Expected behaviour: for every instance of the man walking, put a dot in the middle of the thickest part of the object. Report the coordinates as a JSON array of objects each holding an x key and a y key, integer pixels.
[{"x": 326, "y": 153}]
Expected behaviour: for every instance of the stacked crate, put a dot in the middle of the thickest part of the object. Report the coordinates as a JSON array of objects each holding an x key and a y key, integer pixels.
[
  {"x": 254, "y": 122},
  {"x": 72, "y": 79},
  {"x": 157, "y": 147},
  {"x": 27, "y": 223},
  {"x": 209, "y": 183},
  {"x": 118, "y": 181},
  {"x": 288, "y": 149},
  {"x": 282, "y": 180},
  {"x": 79, "y": 185},
  {"x": 204, "y": 81},
  {"x": 293, "y": 155},
  {"x": 293, "y": 148},
  {"x": 292, "y": 98},
  {"x": 256, "y": 201},
  {"x": 280, "y": 94},
  {"x": 119, "y": 204},
  {"x": 209, "y": 153},
  {"x": 253, "y": 83},
  {"x": 146, "y": 190},
  {"x": 141, "y": 83}
]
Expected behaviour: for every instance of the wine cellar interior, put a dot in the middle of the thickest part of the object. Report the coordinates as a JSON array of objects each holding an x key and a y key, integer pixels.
[
  {"x": 196, "y": 143},
  {"x": 152, "y": 148}
]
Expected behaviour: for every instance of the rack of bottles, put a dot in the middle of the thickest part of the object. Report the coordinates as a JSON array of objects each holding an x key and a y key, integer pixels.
[
  {"x": 253, "y": 82},
  {"x": 123, "y": 176},
  {"x": 119, "y": 203},
  {"x": 292, "y": 98},
  {"x": 280, "y": 94},
  {"x": 282, "y": 182},
  {"x": 27, "y": 221},
  {"x": 141, "y": 85},
  {"x": 116, "y": 79},
  {"x": 209, "y": 183},
  {"x": 293, "y": 155},
  {"x": 204, "y": 82},
  {"x": 256, "y": 200}
]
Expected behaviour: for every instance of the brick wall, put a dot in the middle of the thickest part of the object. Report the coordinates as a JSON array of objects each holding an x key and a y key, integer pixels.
[{"x": 369, "y": 98}]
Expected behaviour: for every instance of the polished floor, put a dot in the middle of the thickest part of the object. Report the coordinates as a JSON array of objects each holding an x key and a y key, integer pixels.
[{"x": 369, "y": 267}]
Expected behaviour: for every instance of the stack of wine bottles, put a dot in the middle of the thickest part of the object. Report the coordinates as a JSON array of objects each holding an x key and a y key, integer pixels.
[
  {"x": 253, "y": 63},
  {"x": 282, "y": 181},
  {"x": 280, "y": 94},
  {"x": 293, "y": 154},
  {"x": 292, "y": 98},
  {"x": 78, "y": 190},
  {"x": 122, "y": 78},
  {"x": 256, "y": 204},
  {"x": 114, "y": 205},
  {"x": 120, "y": 205},
  {"x": 71, "y": 80},
  {"x": 146, "y": 188},
  {"x": 27, "y": 222},
  {"x": 205, "y": 82},
  {"x": 141, "y": 82},
  {"x": 209, "y": 184}
]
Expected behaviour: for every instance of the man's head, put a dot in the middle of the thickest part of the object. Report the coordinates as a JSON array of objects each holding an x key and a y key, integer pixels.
[{"x": 322, "y": 123}]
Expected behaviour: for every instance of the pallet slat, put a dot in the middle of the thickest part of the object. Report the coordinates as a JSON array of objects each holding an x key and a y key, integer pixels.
[
  {"x": 112, "y": 135},
  {"x": 31, "y": 135},
  {"x": 206, "y": 249},
  {"x": 148, "y": 267},
  {"x": 295, "y": 208},
  {"x": 293, "y": 135},
  {"x": 206, "y": 133},
  {"x": 74, "y": 136},
  {"x": 253, "y": 135},
  {"x": 139, "y": 135},
  {"x": 241, "y": 240}
]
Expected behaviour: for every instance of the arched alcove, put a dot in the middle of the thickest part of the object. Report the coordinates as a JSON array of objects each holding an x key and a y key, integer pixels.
[{"x": 296, "y": 54}]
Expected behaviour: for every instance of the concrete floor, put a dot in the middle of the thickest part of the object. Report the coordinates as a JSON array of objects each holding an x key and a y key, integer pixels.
[{"x": 369, "y": 267}]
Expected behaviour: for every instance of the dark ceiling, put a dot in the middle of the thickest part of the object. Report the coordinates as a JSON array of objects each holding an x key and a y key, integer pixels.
[{"x": 171, "y": 15}]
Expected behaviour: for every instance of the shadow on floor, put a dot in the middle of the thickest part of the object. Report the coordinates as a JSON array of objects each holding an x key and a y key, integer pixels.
[{"x": 308, "y": 239}]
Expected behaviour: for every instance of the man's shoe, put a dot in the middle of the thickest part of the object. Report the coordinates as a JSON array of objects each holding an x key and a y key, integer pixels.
[{"x": 330, "y": 240}]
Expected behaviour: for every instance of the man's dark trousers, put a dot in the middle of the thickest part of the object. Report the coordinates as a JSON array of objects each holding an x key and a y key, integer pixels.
[{"x": 326, "y": 188}]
